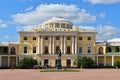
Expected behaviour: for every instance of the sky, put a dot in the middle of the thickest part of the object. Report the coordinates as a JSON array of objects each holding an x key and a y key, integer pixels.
[{"x": 101, "y": 16}]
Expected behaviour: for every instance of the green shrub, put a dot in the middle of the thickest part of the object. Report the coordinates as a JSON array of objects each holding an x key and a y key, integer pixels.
[
  {"x": 85, "y": 62},
  {"x": 117, "y": 64},
  {"x": 27, "y": 63}
]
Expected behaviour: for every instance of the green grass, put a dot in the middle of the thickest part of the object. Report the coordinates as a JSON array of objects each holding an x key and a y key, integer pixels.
[{"x": 65, "y": 70}]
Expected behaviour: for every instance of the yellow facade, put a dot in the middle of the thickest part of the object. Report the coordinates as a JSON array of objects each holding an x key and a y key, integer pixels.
[{"x": 43, "y": 42}]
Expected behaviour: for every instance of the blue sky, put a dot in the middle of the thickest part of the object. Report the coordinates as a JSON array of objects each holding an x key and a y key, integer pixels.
[{"x": 99, "y": 15}]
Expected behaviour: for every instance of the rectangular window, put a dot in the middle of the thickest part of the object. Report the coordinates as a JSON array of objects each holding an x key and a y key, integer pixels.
[
  {"x": 68, "y": 50},
  {"x": 68, "y": 38},
  {"x": 46, "y": 38},
  {"x": 57, "y": 37},
  {"x": 25, "y": 49},
  {"x": 57, "y": 48},
  {"x": 89, "y": 49},
  {"x": 80, "y": 38},
  {"x": 89, "y": 38},
  {"x": 46, "y": 49},
  {"x": 62, "y": 25},
  {"x": 25, "y": 38},
  {"x": 57, "y": 25},
  {"x": 5, "y": 49},
  {"x": 34, "y": 49},
  {"x": 51, "y": 25},
  {"x": 80, "y": 50},
  {"x": 34, "y": 38}
]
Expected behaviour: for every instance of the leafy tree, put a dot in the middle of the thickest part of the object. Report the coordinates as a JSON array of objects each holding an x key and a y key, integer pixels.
[
  {"x": 117, "y": 64},
  {"x": 85, "y": 62},
  {"x": 27, "y": 63}
]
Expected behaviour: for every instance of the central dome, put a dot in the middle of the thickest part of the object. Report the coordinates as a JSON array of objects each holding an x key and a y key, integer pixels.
[{"x": 57, "y": 22}]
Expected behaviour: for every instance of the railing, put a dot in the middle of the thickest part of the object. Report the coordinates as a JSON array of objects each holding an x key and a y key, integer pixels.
[{"x": 3, "y": 53}]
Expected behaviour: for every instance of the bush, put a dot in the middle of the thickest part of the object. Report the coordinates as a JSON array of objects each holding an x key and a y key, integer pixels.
[
  {"x": 85, "y": 62},
  {"x": 117, "y": 64},
  {"x": 27, "y": 63}
]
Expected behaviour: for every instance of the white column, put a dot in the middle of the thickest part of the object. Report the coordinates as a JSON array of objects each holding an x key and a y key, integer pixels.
[
  {"x": 112, "y": 60},
  {"x": 61, "y": 44},
  {"x": 8, "y": 61},
  {"x": 38, "y": 44},
  {"x": 50, "y": 45},
  {"x": 16, "y": 60},
  {"x": 97, "y": 60},
  {"x": 42, "y": 45},
  {"x": 0, "y": 61},
  {"x": 64, "y": 44},
  {"x": 76, "y": 52},
  {"x": 104, "y": 60},
  {"x": 53, "y": 45},
  {"x": 73, "y": 46}
]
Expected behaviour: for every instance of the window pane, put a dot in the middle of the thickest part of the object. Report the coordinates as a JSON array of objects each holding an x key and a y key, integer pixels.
[
  {"x": 34, "y": 49},
  {"x": 25, "y": 49},
  {"x": 25, "y": 38},
  {"x": 34, "y": 38},
  {"x": 89, "y": 49}
]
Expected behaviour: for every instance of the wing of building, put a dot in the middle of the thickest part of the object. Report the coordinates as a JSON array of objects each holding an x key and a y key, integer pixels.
[{"x": 43, "y": 42}]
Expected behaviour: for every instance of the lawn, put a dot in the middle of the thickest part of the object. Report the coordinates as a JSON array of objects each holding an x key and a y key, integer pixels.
[{"x": 64, "y": 70}]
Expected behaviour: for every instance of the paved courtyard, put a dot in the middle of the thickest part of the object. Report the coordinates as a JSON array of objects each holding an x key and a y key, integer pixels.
[{"x": 84, "y": 74}]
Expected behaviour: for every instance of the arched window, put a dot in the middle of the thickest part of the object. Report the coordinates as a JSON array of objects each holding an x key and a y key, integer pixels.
[
  {"x": 100, "y": 50},
  {"x": 108, "y": 49},
  {"x": 25, "y": 49},
  {"x": 89, "y": 49},
  {"x": 116, "y": 49},
  {"x": 12, "y": 50}
]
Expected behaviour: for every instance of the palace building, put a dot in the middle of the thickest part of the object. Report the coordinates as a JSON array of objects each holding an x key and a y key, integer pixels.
[{"x": 43, "y": 42}]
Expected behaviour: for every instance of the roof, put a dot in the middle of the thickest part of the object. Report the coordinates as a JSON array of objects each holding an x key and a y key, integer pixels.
[
  {"x": 4, "y": 43},
  {"x": 114, "y": 40},
  {"x": 56, "y": 19}
]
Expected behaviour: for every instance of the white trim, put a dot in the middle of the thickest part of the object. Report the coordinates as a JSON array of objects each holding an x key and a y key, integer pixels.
[
  {"x": 50, "y": 45},
  {"x": 112, "y": 60},
  {"x": 76, "y": 47},
  {"x": 38, "y": 44},
  {"x": 53, "y": 46},
  {"x": 104, "y": 60},
  {"x": 64, "y": 44},
  {"x": 8, "y": 61},
  {"x": 61, "y": 44},
  {"x": 73, "y": 44}
]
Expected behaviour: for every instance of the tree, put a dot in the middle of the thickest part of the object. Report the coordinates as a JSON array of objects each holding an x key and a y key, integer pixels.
[
  {"x": 117, "y": 64},
  {"x": 85, "y": 62},
  {"x": 27, "y": 63}
]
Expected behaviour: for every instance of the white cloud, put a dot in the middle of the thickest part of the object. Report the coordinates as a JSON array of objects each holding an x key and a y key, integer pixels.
[
  {"x": 2, "y": 24},
  {"x": 44, "y": 12},
  {"x": 102, "y": 1},
  {"x": 7, "y": 37},
  {"x": 102, "y": 15},
  {"x": 29, "y": 8},
  {"x": 103, "y": 32}
]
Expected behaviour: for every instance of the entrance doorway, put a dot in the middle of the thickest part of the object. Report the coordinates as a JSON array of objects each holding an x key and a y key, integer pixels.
[
  {"x": 45, "y": 62},
  {"x": 68, "y": 63}
]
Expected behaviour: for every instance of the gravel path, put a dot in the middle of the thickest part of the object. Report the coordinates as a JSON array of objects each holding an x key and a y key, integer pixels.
[{"x": 84, "y": 74}]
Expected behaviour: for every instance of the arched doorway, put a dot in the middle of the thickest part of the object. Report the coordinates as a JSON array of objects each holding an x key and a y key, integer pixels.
[
  {"x": 12, "y": 50},
  {"x": 108, "y": 49},
  {"x": 100, "y": 50}
]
